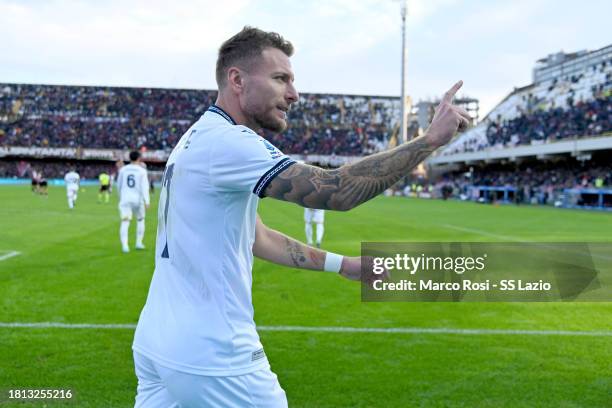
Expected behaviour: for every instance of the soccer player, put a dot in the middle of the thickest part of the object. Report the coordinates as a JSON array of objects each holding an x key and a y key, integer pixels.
[
  {"x": 72, "y": 180},
  {"x": 35, "y": 181},
  {"x": 312, "y": 215},
  {"x": 196, "y": 343},
  {"x": 42, "y": 184},
  {"x": 104, "y": 180},
  {"x": 133, "y": 188}
]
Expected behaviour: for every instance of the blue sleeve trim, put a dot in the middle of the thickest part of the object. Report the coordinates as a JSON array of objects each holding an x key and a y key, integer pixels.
[{"x": 269, "y": 175}]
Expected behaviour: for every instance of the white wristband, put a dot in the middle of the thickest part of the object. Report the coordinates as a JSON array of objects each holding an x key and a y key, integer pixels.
[{"x": 333, "y": 262}]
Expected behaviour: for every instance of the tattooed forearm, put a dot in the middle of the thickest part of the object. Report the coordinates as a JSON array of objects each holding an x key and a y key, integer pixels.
[
  {"x": 350, "y": 185},
  {"x": 295, "y": 252},
  {"x": 277, "y": 247}
]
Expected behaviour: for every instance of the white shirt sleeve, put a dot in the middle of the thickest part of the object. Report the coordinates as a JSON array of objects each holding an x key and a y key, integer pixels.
[
  {"x": 145, "y": 187},
  {"x": 241, "y": 160}
]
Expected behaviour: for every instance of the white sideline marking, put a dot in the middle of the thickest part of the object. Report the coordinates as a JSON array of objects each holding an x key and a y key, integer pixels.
[
  {"x": 434, "y": 330},
  {"x": 485, "y": 233},
  {"x": 399, "y": 330},
  {"x": 10, "y": 254}
]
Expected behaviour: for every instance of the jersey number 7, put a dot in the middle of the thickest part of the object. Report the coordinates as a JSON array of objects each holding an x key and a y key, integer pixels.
[{"x": 166, "y": 182}]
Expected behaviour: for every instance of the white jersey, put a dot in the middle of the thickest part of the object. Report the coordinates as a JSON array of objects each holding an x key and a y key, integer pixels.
[
  {"x": 71, "y": 180},
  {"x": 198, "y": 317},
  {"x": 133, "y": 185}
]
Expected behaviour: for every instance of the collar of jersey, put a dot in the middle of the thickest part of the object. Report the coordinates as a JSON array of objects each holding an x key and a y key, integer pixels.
[{"x": 224, "y": 114}]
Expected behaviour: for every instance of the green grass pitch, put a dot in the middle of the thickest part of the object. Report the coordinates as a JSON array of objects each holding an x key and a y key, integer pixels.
[{"x": 71, "y": 270}]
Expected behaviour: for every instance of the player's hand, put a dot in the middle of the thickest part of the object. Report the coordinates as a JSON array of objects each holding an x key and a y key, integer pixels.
[
  {"x": 147, "y": 206},
  {"x": 447, "y": 120},
  {"x": 351, "y": 269}
]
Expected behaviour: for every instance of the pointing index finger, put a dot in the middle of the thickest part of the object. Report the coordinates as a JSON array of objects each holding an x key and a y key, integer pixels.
[{"x": 450, "y": 94}]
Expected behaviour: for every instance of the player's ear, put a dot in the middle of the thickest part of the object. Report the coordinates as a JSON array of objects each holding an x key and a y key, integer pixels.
[{"x": 235, "y": 79}]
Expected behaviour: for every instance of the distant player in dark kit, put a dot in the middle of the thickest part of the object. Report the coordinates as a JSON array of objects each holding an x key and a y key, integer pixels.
[
  {"x": 42, "y": 184},
  {"x": 35, "y": 181}
]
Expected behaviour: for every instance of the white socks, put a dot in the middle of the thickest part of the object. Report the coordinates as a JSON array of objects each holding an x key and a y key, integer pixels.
[
  {"x": 140, "y": 230},
  {"x": 123, "y": 234},
  {"x": 309, "y": 233},
  {"x": 71, "y": 200},
  {"x": 320, "y": 230}
]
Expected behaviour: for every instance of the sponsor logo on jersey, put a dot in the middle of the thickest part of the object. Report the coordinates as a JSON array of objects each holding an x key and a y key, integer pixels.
[
  {"x": 258, "y": 355},
  {"x": 274, "y": 152}
]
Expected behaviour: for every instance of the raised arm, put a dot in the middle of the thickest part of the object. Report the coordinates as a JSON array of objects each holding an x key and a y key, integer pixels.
[{"x": 353, "y": 184}]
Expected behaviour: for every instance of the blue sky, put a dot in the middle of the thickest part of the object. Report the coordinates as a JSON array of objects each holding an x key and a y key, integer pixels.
[{"x": 342, "y": 46}]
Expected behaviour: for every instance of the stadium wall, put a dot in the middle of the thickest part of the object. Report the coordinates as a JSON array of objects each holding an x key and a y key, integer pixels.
[
  {"x": 51, "y": 182},
  {"x": 577, "y": 146},
  {"x": 153, "y": 156}
]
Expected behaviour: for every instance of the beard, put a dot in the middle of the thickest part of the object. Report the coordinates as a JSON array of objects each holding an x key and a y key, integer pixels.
[{"x": 270, "y": 122}]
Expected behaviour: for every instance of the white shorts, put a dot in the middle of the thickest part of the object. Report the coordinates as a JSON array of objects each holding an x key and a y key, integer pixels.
[
  {"x": 72, "y": 192},
  {"x": 311, "y": 215},
  {"x": 159, "y": 386},
  {"x": 126, "y": 210}
]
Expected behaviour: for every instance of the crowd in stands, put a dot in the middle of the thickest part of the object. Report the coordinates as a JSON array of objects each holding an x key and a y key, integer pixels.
[
  {"x": 538, "y": 184},
  {"x": 564, "y": 107},
  {"x": 340, "y": 125},
  {"x": 590, "y": 118},
  {"x": 97, "y": 117},
  {"x": 561, "y": 177},
  {"x": 132, "y": 118}
]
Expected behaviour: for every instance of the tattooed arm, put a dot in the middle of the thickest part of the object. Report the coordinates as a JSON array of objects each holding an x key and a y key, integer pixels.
[
  {"x": 278, "y": 248},
  {"x": 353, "y": 184},
  {"x": 345, "y": 188}
]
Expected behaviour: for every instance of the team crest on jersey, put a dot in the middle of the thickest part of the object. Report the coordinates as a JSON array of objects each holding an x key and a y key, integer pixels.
[{"x": 274, "y": 152}]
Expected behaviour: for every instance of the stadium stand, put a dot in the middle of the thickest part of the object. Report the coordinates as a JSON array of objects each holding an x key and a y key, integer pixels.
[
  {"x": 546, "y": 143},
  {"x": 97, "y": 117},
  {"x": 533, "y": 182},
  {"x": 588, "y": 118},
  {"x": 130, "y": 118},
  {"x": 571, "y": 97}
]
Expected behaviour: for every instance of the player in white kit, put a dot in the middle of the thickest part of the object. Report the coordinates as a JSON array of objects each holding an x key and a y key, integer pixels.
[
  {"x": 317, "y": 217},
  {"x": 196, "y": 344},
  {"x": 133, "y": 187},
  {"x": 72, "y": 181}
]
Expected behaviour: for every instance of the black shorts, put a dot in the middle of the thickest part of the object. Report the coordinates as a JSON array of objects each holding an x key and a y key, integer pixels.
[
  {"x": 43, "y": 183},
  {"x": 104, "y": 188},
  {"x": 34, "y": 183}
]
